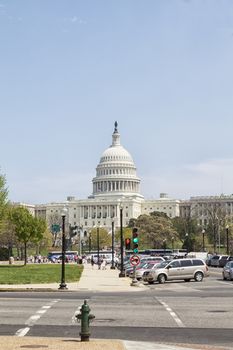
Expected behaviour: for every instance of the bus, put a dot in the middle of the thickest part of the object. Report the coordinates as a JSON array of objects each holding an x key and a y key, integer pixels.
[
  {"x": 57, "y": 256},
  {"x": 152, "y": 252},
  {"x": 103, "y": 254}
]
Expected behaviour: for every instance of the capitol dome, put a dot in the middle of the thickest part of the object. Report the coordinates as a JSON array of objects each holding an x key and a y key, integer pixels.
[{"x": 116, "y": 171}]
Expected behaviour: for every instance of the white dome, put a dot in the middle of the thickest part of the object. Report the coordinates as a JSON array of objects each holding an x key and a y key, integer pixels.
[
  {"x": 116, "y": 154},
  {"x": 116, "y": 172}
]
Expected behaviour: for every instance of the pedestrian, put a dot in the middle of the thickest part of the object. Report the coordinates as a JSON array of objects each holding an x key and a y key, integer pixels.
[
  {"x": 92, "y": 261},
  {"x": 104, "y": 263}
]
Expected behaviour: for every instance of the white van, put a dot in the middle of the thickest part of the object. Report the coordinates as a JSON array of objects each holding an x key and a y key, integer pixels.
[{"x": 199, "y": 255}]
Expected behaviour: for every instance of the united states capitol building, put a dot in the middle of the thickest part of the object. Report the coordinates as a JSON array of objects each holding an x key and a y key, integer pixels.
[{"x": 116, "y": 188}]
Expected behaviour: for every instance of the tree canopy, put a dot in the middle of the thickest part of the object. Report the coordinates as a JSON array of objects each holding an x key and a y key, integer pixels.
[{"x": 27, "y": 227}]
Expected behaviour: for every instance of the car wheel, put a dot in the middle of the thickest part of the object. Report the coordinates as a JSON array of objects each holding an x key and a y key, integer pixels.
[
  {"x": 187, "y": 280},
  {"x": 198, "y": 276},
  {"x": 224, "y": 278},
  {"x": 150, "y": 282},
  {"x": 162, "y": 278}
]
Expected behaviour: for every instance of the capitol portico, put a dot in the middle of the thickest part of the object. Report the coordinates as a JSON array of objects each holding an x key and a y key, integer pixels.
[{"x": 116, "y": 185}]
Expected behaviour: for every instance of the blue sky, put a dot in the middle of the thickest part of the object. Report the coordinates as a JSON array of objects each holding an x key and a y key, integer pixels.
[{"x": 161, "y": 68}]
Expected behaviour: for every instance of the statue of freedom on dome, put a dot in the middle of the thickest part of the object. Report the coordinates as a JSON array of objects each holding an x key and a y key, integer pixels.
[{"x": 116, "y": 125}]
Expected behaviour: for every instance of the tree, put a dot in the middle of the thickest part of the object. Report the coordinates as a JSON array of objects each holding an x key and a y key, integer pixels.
[
  {"x": 55, "y": 224},
  {"x": 127, "y": 233},
  {"x": 154, "y": 230},
  {"x": 104, "y": 238},
  {"x": 27, "y": 227},
  {"x": 187, "y": 231},
  {"x": 3, "y": 198}
]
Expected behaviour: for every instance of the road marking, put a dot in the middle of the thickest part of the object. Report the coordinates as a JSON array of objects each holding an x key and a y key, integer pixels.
[
  {"x": 34, "y": 318},
  {"x": 22, "y": 332},
  {"x": 172, "y": 313},
  {"x": 226, "y": 283}
]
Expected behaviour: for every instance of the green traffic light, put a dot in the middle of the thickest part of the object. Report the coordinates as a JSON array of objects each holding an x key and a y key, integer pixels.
[
  {"x": 135, "y": 250},
  {"x": 135, "y": 239}
]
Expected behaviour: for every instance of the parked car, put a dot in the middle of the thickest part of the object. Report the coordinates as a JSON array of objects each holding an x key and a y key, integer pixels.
[
  {"x": 224, "y": 259},
  {"x": 215, "y": 260},
  {"x": 146, "y": 267},
  {"x": 227, "y": 271},
  {"x": 178, "y": 269},
  {"x": 143, "y": 261},
  {"x": 208, "y": 260}
]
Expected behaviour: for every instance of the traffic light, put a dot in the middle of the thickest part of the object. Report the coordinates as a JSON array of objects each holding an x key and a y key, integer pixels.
[
  {"x": 127, "y": 243},
  {"x": 135, "y": 240}
]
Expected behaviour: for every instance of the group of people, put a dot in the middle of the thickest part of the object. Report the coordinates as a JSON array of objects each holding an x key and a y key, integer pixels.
[{"x": 102, "y": 263}]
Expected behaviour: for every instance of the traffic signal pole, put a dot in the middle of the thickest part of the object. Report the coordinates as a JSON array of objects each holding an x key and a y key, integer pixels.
[
  {"x": 121, "y": 274},
  {"x": 135, "y": 252}
]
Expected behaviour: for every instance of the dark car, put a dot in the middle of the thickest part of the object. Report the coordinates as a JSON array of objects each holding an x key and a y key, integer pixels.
[
  {"x": 227, "y": 272},
  {"x": 224, "y": 259}
]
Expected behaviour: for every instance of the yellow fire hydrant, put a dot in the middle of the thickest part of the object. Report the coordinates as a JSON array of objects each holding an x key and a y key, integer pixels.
[{"x": 85, "y": 318}]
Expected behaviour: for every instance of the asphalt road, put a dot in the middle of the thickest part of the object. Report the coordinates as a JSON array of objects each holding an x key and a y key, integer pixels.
[{"x": 194, "y": 313}]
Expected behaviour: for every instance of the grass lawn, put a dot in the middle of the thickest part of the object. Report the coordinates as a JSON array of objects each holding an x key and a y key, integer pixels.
[{"x": 38, "y": 273}]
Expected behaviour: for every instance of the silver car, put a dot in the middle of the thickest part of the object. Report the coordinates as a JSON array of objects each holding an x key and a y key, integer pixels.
[
  {"x": 147, "y": 267},
  {"x": 178, "y": 269},
  {"x": 227, "y": 271}
]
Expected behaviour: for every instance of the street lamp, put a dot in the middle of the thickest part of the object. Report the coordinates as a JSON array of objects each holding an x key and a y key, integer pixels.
[
  {"x": 121, "y": 274},
  {"x": 187, "y": 241},
  {"x": 89, "y": 239},
  {"x": 113, "y": 264},
  {"x": 203, "y": 240},
  {"x": 98, "y": 247},
  {"x": 63, "y": 284},
  {"x": 164, "y": 246},
  {"x": 227, "y": 236},
  {"x": 172, "y": 244}
]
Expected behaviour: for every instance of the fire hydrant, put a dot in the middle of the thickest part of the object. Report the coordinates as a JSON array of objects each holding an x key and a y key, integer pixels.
[{"x": 85, "y": 318}]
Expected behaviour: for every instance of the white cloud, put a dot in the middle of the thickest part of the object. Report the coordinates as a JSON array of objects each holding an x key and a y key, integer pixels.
[{"x": 73, "y": 19}]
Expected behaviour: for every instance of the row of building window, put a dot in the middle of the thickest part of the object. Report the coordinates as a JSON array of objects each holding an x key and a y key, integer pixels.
[
  {"x": 114, "y": 158},
  {"x": 127, "y": 171}
]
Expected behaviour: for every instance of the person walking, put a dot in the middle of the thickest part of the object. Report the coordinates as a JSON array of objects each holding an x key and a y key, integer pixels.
[
  {"x": 92, "y": 262},
  {"x": 103, "y": 265}
]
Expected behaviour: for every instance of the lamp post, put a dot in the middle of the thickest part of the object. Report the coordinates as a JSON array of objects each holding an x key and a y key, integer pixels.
[
  {"x": 203, "y": 240},
  {"x": 172, "y": 244},
  {"x": 121, "y": 274},
  {"x": 63, "y": 284},
  {"x": 164, "y": 246},
  {"x": 89, "y": 240},
  {"x": 113, "y": 264},
  {"x": 98, "y": 247},
  {"x": 187, "y": 241},
  {"x": 227, "y": 237}
]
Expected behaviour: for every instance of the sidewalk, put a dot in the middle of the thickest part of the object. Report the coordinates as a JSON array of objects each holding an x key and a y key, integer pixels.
[{"x": 92, "y": 280}]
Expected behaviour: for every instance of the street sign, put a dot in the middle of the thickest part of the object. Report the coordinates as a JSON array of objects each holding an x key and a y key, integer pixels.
[
  {"x": 134, "y": 260},
  {"x": 55, "y": 228}
]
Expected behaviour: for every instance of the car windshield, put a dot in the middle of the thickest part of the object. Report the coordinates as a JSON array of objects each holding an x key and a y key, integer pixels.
[{"x": 163, "y": 264}]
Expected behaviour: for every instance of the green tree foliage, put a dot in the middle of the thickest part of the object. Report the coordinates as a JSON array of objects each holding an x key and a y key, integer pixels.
[
  {"x": 104, "y": 238},
  {"x": 188, "y": 232},
  {"x": 155, "y": 230},
  {"x": 3, "y": 198},
  {"x": 28, "y": 229},
  {"x": 127, "y": 233}
]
